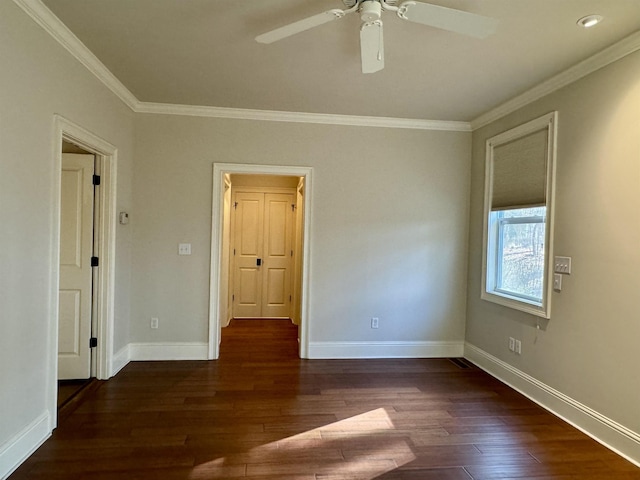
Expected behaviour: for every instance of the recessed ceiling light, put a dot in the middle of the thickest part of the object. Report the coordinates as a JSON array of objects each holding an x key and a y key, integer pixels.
[{"x": 589, "y": 21}]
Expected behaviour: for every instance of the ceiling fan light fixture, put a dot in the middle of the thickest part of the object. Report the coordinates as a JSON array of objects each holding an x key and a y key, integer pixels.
[
  {"x": 370, "y": 11},
  {"x": 371, "y": 34},
  {"x": 590, "y": 21}
]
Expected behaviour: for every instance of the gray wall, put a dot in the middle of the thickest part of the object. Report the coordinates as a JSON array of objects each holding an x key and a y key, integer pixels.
[
  {"x": 588, "y": 349},
  {"x": 40, "y": 79},
  {"x": 389, "y": 225}
]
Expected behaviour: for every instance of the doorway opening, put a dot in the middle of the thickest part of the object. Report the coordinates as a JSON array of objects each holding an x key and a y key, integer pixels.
[
  {"x": 79, "y": 242},
  {"x": 265, "y": 244},
  {"x": 260, "y": 247},
  {"x": 83, "y": 253}
]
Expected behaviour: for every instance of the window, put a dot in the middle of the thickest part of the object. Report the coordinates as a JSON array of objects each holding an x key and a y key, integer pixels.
[
  {"x": 518, "y": 210},
  {"x": 519, "y": 253}
]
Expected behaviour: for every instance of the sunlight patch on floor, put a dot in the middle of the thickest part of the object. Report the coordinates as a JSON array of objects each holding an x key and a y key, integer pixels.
[{"x": 358, "y": 447}]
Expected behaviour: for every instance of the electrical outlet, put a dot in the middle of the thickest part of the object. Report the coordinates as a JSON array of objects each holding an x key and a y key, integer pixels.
[
  {"x": 154, "y": 322},
  {"x": 518, "y": 347},
  {"x": 512, "y": 344},
  {"x": 374, "y": 322},
  {"x": 557, "y": 282},
  {"x": 184, "y": 249}
]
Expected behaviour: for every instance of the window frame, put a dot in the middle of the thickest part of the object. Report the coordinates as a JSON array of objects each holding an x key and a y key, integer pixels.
[{"x": 491, "y": 229}]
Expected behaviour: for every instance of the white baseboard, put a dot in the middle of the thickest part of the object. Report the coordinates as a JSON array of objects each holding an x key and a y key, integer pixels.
[
  {"x": 120, "y": 360},
  {"x": 611, "y": 434},
  {"x": 168, "y": 351},
  {"x": 22, "y": 445},
  {"x": 385, "y": 349}
]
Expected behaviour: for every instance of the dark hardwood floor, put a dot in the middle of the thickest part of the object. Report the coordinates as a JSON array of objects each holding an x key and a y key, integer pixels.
[
  {"x": 68, "y": 389},
  {"x": 262, "y": 413}
]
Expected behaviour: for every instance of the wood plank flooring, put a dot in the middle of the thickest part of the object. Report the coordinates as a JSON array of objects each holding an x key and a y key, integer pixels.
[
  {"x": 67, "y": 389},
  {"x": 262, "y": 413}
]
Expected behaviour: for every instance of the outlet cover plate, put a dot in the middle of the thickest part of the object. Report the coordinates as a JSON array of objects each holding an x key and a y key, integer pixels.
[{"x": 557, "y": 282}]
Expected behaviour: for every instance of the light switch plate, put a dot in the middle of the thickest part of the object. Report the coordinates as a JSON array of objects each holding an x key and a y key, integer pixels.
[{"x": 562, "y": 265}]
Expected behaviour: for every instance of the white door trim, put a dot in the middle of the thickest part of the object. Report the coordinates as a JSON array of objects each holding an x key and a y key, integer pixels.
[
  {"x": 217, "y": 216},
  {"x": 105, "y": 296}
]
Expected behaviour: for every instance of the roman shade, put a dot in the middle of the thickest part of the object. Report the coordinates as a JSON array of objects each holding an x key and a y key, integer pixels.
[{"x": 520, "y": 172}]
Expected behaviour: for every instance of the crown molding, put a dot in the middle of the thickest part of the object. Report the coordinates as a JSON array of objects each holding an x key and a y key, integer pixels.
[
  {"x": 301, "y": 117},
  {"x": 65, "y": 37},
  {"x": 59, "y": 31},
  {"x": 601, "y": 59}
]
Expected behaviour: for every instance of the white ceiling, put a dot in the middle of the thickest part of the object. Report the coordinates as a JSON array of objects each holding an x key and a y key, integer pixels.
[{"x": 202, "y": 52}]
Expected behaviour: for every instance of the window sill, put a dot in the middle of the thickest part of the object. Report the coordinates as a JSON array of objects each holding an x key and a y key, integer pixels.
[{"x": 516, "y": 303}]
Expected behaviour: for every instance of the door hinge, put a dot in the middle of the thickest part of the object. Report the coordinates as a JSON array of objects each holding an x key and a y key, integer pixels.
[
  {"x": 96, "y": 179},
  {"x": 235, "y": 205},
  {"x": 290, "y": 299},
  {"x": 233, "y": 297},
  {"x": 95, "y": 262},
  {"x": 234, "y": 252},
  {"x": 93, "y": 342},
  {"x": 292, "y": 253}
]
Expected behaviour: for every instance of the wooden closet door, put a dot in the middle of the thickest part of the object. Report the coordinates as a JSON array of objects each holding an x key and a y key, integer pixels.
[
  {"x": 262, "y": 252},
  {"x": 278, "y": 235},
  {"x": 248, "y": 240}
]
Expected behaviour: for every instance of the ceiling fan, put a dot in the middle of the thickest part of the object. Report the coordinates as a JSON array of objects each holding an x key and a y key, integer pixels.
[{"x": 371, "y": 41}]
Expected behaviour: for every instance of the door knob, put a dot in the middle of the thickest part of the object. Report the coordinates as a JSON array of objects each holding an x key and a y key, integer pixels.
[{"x": 259, "y": 262}]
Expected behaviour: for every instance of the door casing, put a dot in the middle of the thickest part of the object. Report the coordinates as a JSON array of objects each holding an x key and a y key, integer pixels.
[
  {"x": 104, "y": 286},
  {"x": 216, "y": 305}
]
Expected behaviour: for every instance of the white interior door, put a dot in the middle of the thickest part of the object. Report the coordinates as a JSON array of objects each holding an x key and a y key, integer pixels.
[
  {"x": 263, "y": 232},
  {"x": 76, "y": 247},
  {"x": 248, "y": 238},
  {"x": 277, "y": 251}
]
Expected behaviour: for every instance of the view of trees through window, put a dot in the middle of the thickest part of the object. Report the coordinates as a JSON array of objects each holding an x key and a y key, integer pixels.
[{"x": 521, "y": 256}]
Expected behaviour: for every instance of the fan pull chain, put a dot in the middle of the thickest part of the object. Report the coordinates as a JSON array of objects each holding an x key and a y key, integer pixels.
[{"x": 379, "y": 23}]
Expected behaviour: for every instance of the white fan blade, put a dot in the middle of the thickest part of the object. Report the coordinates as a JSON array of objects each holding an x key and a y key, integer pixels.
[
  {"x": 448, "y": 19},
  {"x": 300, "y": 26},
  {"x": 372, "y": 46}
]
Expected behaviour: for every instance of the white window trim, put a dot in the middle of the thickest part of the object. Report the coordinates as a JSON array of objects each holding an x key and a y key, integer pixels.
[{"x": 488, "y": 292}]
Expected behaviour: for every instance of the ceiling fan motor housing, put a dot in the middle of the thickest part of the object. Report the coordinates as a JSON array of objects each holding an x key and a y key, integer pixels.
[{"x": 370, "y": 10}]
